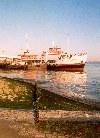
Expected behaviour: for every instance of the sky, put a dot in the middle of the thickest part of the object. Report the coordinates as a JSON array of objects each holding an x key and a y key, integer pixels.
[{"x": 45, "y": 21}]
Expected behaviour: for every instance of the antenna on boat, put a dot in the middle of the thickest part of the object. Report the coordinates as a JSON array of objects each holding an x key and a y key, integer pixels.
[
  {"x": 27, "y": 44},
  {"x": 53, "y": 44},
  {"x": 68, "y": 44}
]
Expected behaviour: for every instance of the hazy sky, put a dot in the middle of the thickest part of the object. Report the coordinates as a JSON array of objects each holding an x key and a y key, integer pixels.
[{"x": 45, "y": 21}]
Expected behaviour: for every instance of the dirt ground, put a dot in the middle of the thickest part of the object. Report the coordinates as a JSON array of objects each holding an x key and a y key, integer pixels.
[{"x": 20, "y": 124}]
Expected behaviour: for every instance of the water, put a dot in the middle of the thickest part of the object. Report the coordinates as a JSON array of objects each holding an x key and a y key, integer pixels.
[{"x": 84, "y": 86}]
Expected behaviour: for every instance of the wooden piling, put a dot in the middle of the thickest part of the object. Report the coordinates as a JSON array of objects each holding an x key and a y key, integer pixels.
[{"x": 35, "y": 104}]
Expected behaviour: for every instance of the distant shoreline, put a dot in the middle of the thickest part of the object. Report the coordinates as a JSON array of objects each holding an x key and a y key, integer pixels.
[{"x": 93, "y": 61}]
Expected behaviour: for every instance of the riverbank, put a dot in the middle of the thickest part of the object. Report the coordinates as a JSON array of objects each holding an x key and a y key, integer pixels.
[
  {"x": 49, "y": 100},
  {"x": 19, "y": 94},
  {"x": 19, "y": 123}
]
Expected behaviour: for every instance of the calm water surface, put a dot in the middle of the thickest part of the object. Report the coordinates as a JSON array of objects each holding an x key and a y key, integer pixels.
[{"x": 82, "y": 85}]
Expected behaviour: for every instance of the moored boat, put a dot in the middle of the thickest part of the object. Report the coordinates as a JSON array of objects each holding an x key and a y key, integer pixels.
[{"x": 68, "y": 62}]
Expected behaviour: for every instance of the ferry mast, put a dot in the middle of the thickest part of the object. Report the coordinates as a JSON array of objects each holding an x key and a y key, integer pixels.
[
  {"x": 27, "y": 44},
  {"x": 68, "y": 44}
]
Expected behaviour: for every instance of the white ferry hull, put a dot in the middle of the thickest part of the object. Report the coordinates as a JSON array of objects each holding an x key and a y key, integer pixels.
[{"x": 68, "y": 63}]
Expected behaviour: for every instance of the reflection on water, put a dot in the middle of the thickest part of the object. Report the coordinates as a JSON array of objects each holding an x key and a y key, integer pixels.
[
  {"x": 66, "y": 83},
  {"x": 70, "y": 84}
]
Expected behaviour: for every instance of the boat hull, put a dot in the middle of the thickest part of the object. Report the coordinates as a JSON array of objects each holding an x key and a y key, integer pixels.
[
  {"x": 17, "y": 67},
  {"x": 37, "y": 67},
  {"x": 2, "y": 65},
  {"x": 66, "y": 67}
]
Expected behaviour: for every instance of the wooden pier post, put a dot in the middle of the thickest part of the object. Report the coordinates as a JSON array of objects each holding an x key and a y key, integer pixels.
[{"x": 35, "y": 104}]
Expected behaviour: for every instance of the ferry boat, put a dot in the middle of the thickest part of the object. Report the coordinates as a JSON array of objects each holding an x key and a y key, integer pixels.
[
  {"x": 33, "y": 61},
  {"x": 68, "y": 62}
]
